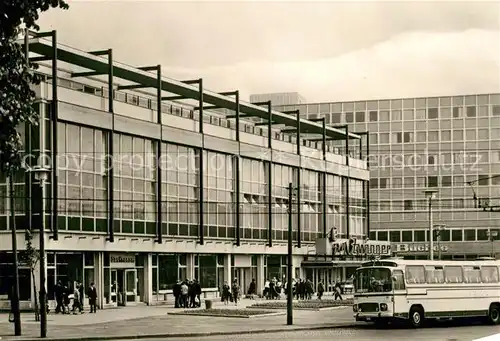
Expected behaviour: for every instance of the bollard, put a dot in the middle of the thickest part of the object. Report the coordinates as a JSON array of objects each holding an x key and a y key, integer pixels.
[{"x": 208, "y": 304}]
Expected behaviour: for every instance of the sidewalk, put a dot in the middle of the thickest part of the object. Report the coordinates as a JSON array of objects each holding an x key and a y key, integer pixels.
[{"x": 143, "y": 321}]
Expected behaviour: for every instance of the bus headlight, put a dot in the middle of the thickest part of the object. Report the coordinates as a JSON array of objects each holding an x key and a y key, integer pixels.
[
  {"x": 383, "y": 307},
  {"x": 355, "y": 308}
]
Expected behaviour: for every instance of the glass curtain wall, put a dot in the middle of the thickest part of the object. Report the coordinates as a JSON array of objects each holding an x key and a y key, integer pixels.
[
  {"x": 179, "y": 190},
  {"x": 134, "y": 185},
  {"x": 281, "y": 178},
  {"x": 254, "y": 199},
  {"x": 335, "y": 205},
  {"x": 219, "y": 195},
  {"x": 82, "y": 178},
  {"x": 311, "y": 205}
]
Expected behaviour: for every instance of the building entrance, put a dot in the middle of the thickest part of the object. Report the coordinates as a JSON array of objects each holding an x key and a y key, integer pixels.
[{"x": 124, "y": 286}]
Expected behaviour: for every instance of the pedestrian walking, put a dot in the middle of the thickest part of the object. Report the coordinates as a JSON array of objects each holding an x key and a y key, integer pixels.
[
  {"x": 235, "y": 291},
  {"x": 92, "y": 295}
]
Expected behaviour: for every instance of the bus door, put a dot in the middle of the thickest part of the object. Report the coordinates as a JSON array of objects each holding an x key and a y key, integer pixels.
[{"x": 399, "y": 291}]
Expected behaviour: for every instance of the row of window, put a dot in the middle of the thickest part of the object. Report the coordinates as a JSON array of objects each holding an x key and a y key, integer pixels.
[
  {"x": 435, "y": 181},
  {"x": 459, "y": 159},
  {"x": 446, "y": 235},
  {"x": 423, "y": 205},
  {"x": 451, "y": 274},
  {"x": 445, "y": 135},
  {"x": 394, "y": 104}
]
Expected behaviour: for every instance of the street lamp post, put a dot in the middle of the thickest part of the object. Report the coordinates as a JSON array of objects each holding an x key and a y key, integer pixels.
[
  {"x": 439, "y": 228},
  {"x": 15, "y": 292},
  {"x": 492, "y": 235},
  {"x": 289, "y": 288},
  {"x": 42, "y": 174},
  {"x": 430, "y": 193}
]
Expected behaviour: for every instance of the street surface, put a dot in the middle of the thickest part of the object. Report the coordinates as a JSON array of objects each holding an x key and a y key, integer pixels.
[{"x": 449, "y": 333}]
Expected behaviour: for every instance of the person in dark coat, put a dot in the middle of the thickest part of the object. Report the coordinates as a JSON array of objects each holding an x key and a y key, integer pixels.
[
  {"x": 197, "y": 291},
  {"x": 92, "y": 295},
  {"x": 59, "y": 293},
  {"x": 177, "y": 294},
  {"x": 81, "y": 290},
  {"x": 252, "y": 289},
  {"x": 321, "y": 290}
]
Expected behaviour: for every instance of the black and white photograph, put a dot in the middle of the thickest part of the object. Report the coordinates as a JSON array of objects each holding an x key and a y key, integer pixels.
[{"x": 245, "y": 170}]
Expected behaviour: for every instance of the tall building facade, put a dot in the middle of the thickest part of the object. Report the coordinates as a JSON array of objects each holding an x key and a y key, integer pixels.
[
  {"x": 447, "y": 144},
  {"x": 283, "y": 98},
  {"x": 146, "y": 190}
]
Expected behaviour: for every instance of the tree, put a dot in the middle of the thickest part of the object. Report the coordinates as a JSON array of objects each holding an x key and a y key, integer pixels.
[
  {"x": 30, "y": 258},
  {"x": 16, "y": 76}
]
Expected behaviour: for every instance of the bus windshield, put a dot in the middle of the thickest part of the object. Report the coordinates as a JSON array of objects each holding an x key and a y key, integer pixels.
[{"x": 373, "y": 280}]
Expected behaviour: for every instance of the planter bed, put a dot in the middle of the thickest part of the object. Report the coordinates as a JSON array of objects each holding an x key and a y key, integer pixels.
[
  {"x": 238, "y": 313},
  {"x": 306, "y": 305}
]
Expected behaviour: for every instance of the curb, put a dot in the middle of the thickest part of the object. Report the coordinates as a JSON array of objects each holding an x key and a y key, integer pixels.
[
  {"x": 191, "y": 335},
  {"x": 229, "y": 315},
  {"x": 301, "y": 309}
]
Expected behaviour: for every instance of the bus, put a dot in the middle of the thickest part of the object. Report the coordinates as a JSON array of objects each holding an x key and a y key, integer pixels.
[{"x": 418, "y": 290}]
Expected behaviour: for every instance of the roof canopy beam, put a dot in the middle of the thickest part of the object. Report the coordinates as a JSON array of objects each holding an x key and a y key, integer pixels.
[
  {"x": 99, "y": 53},
  {"x": 87, "y": 74},
  {"x": 131, "y": 87},
  {"x": 173, "y": 98},
  {"x": 192, "y": 81},
  {"x": 289, "y": 130},
  {"x": 99, "y": 66},
  {"x": 228, "y": 93},
  {"x": 240, "y": 116},
  {"x": 40, "y": 59}
]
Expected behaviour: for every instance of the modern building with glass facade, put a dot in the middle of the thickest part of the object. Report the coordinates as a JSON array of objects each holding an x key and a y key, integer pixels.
[
  {"x": 284, "y": 98},
  {"x": 154, "y": 185},
  {"x": 450, "y": 144}
]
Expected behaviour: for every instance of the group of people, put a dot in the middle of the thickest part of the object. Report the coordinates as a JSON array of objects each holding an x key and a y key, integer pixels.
[
  {"x": 187, "y": 294},
  {"x": 233, "y": 293},
  {"x": 302, "y": 289},
  {"x": 63, "y": 297}
]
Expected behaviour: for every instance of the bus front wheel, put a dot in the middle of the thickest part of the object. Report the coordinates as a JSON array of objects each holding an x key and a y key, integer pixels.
[
  {"x": 494, "y": 314},
  {"x": 416, "y": 317}
]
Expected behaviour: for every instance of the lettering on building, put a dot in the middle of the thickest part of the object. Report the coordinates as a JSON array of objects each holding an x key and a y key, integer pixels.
[
  {"x": 424, "y": 247},
  {"x": 352, "y": 248},
  {"x": 122, "y": 260}
]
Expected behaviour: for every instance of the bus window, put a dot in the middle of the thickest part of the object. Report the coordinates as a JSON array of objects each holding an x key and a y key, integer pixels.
[
  {"x": 453, "y": 274},
  {"x": 373, "y": 280},
  {"x": 434, "y": 274},
  {"x": 415, "y": 274},
  {"x": 472, "y": 274},
  {"x": 489, "y": 274},
  {"x": 399, "y": 281}
]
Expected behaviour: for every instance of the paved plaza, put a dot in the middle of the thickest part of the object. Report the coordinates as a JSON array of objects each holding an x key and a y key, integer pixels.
[{"x": 144, "y": 320}]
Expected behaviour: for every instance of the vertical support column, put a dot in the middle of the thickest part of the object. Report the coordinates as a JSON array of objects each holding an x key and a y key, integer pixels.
[
  {"x": 269, "y": 125},
  {"x": 227, "y": 269},
  {"x": 270, "y": 203},
  {"x": 237, "y": 195},
  {"x": 28, "y": 148},
  {"x": 99, "y": 277},
  {"x": 299, "y": 204},
  {"x": 344, "y": 273},
  {"x": 189, "y": 266},
  {"x": 55, "y": 114},
  {"x": 347, "y": 203},
  {"x": 237, "y": 113},
  {"x": 110, "y": 156},
  {"x": 324, "y": 138},
  {"x": 201, "y": 171},
  {"x": 298, "y": 132},
  {"x": 148, "y": 279},
  {"x": 325, "y": 203},
  {"x": 159, "y": 232},
  {"x": 368, "y": 185},
  {"x": 260, "y": 275}
]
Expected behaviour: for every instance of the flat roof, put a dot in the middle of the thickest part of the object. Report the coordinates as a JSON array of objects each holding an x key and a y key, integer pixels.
[{"x": 147, "y": 79}]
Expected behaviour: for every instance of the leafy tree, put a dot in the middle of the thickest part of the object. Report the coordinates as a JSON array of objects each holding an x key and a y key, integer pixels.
[
  {"x": 16, "y": 76},
  {"x": 16, "y": 97},
  {"x": 30, "y": 258}
]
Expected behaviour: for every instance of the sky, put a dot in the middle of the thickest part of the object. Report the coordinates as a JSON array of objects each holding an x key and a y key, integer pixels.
[{"x": 326, "y": 51}]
